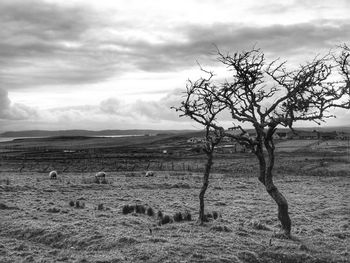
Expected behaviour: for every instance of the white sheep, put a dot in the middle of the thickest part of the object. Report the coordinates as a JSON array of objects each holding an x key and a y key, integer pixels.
[
  {"x": 149, "y": 174},
  {"x": 100, "y": 175},
  {"x": 53, "y": 175}
]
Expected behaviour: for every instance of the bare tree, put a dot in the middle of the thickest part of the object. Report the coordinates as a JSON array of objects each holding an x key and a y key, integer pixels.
[
  {"x": 201, "y": 106},
  {"x": 264, "y": 95}
]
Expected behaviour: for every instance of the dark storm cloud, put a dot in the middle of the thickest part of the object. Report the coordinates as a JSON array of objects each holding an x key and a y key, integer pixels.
[
  {"x": 197, "y": 42},
  {"x": 42, "y": 43},
  {"x": 278, "y": 40},
  {"x": 48, "y": 44}
]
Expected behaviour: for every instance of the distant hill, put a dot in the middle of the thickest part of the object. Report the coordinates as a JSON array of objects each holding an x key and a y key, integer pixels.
[
  {"x": 44, "y": 133},
  {"x": 88, "y": 133},
  {"x": 323, "y": 129}
]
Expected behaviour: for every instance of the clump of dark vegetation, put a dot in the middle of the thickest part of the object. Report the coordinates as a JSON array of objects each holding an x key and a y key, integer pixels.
[
  {"x": 178, "y": 217},
  {"x": 53, "y": 210},
  {"x": 162, "y": 218},
  {"x": 160, "y": 214},
  {"x": 79, "y": 204},
  {"x": 4, "y": 207},
  {"x": 166, "y": 219},
  {"x": 187, "y": 216},
  {"x": 150, "y": 211},
  {"x": 140, "y": 209},
  {"x": 126, "y": 209},
  {"x": 209, "y": 216}
]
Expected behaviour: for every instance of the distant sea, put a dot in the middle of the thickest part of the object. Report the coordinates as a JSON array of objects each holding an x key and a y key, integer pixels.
[{"x": 9, "y": 139}]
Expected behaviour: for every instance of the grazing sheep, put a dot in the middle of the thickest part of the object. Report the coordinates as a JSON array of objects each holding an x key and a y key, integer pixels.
[
  {"x": 53, "y": 175},
  {"x": 149, "y": 174},
  {"x": 100, "y": 175}
]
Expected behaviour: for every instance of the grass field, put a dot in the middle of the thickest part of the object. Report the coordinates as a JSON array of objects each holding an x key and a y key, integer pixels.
[{"x": 38, "y": 223}]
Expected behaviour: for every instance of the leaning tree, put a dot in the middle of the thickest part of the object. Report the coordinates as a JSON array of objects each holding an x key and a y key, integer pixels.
[
  {"x": 202, "y": 106},
  {"x": 265, "y": 95}
]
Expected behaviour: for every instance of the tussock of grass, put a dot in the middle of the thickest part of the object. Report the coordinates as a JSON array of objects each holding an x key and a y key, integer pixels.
[
  {"x": 53, "y": 210},
  {"x": 178, "y": 217},
  {"x": 3, "y": 206},
  {"x": 140, "y": 209},
  {"x": 187, "y": 216},
  {"x": 126, "y": 209},
  {"x": 215, "y": 215},
  {"x": 160, "y": 214},
  {"x": 79, "y": 204},
  {"x": 166, "y": 219},
  {"x": 150, "y": 211},
  {"x": 209, "y": 216},
  {"x": 6, "y": 207}
]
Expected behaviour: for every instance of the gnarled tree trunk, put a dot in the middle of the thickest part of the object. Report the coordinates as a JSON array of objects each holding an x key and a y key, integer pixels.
[
  {"x": 205, "y": 186},
  {"x": 282, "y": 204},
  {"x": 266, "y": 178},
  {"x": 272, "y": 190}
]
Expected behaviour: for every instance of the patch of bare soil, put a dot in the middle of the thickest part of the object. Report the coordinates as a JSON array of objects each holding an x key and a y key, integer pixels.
[{"x": 41, "y": 221}]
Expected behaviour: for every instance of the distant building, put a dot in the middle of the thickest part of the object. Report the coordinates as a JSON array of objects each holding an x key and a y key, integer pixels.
[
  {"x": 343, "y": 136},
  {"x": 227, "y": 139},
  {"x": 328, "y": 135},
  {"x": 307, "y": 135},
  {"x": 281, "y": 135},
  {"x": 196, "y": 140}
]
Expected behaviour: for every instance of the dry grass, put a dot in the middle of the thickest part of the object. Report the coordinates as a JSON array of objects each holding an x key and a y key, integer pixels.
[
  {"x": 45, "y": 228},
  {"x": 40, "y": 221}
]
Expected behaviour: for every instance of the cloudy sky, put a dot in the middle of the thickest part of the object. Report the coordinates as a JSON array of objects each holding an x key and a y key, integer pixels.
[{"x": 120, "y": 64}]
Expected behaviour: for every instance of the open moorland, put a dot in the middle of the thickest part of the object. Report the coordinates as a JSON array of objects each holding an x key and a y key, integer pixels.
[{"x": 75, "y": 219}]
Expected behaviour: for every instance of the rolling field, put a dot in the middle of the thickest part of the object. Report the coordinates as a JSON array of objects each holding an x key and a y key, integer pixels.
[{"x": 40, "y": 224}]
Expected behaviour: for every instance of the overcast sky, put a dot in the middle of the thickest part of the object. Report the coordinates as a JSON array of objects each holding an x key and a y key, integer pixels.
[{"x": 98, "y": 64}]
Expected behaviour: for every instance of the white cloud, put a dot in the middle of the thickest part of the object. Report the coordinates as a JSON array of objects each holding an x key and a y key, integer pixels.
[
  {"x": 82, "y": 62},
  {"x": 14, "y": 111}
]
